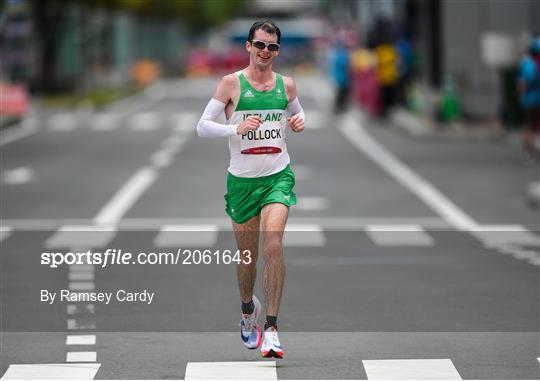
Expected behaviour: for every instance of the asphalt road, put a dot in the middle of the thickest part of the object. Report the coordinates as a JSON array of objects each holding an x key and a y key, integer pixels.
[{"x": 407, "y": 257}]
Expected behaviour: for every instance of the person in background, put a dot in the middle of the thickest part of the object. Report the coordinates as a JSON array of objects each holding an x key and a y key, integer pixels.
[
  {"x": 340, "y": 74},
  {"x": 529, "y": 91}
]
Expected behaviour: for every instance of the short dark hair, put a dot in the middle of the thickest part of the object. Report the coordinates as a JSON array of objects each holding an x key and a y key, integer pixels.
[{"x": 268, "y": 26}]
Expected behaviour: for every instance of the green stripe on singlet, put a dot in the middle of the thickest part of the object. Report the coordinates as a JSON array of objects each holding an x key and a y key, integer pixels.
[{"x": 252, "y": 100}]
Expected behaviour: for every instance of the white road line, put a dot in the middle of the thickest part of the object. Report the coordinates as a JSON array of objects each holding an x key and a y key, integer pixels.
[
  {"x": 162, "y": 159},
  {"x": 398, "y": 235},
  {"x": 524, "y": 254},
  {"x": 430, "y": 369},
  {"x": 187, "y": 236},
  {"x": 79, "y": 276},
  {"x": 81, "y": 286},
  {"x": 17, "y": 133},
  {"x": 81, "y": 236},
  {"x": 335, "y": 223},
  {"x": 187, "y": 122},
  {"x": 303, "y": 236},
  {"x": 126, "y": 196},
  {"x": 315, "y": 120},
  {"x": 312, "y": 203},
  {"x": 81, "y": 357},
  {"x": 248, "y": 370},
  {"x": 105, "y": 121},
  {"x": 81, "y": 268},
  {"x": 62, "y": 122},
  {"x": 302, "y": 172},
  {"x": 81, "y": 340},
  {"x": 51, "y": 372},
  {"x": 80, "y": 309},
  {"x": 79, "y": 325},
  {"x": 17, "y": 176},
  {"x": 5, "y": 232},
  {"x": 535, "y": 261},
  {"x": 145, "y": 121},
  {"x": 505, "y": 235},
  {"x": 430, "y": 195}
]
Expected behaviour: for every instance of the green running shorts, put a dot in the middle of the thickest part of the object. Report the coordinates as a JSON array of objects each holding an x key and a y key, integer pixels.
[{"x": 247, "y": 195}]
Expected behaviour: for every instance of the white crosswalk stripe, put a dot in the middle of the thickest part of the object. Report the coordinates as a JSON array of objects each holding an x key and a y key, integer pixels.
[
  {"x": 187, "y": 236},
  {"x": 315, "y": 120},
  {"x": 402, "y": 235},
  {"x": 81, "y": 340},
  {"x": 81, "y": 236},
  {"x": 5, "y": 232},
  {"x": 494, "y": 236},
  {"x": 106, "y": 121},
  {"x": 51, "y": 372},
  {"x": 62, "y": 122},
  {"x": 303, "y": 235},
  {"x": 413, "y": 369},
  {"x": 312, "y": 203},
  {"x": 81, "y": 357},
  {"x": 145, "y": 121},
  {"x": 248, "y": 370}
]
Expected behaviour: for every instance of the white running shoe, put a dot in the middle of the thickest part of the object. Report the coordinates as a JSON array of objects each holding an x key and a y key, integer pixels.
[
  {"x": 271, "y": 346},
  {"x": 250, "y": 330}
]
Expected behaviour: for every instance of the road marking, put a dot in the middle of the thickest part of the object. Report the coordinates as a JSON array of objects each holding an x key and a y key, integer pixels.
[
  {"x": 106, "y": 121},
  {"x": 524, "y": 254},
  {"x": 535, "y": 261},
  {"x": 79, "y": 325},
  {"x": 81, "y": 340},
  {"x": 81, "y": 236},
  {"x": 187, "y": 122},
  {"x": 505, "y": 235},
  {"x": 5, "y": 232},
  {"x": 17, "y": 176},
  {"x": 17, "y": 133},
  {"x": 315, "y": 120},
  {"x": 302, "y": 172},
  {"x": 403, "y": 174},
  {"x": 79, "y": 309},
  {"x": 62, "y": 122},
  {"x": 312, "y": 203},
  {"x": 431, "y": 369},
  {"x": 145, "y": 121},
  {"x": 126, "y": 196},
  {"x": 51, "y": 372},
  {"x": 162, "y": 159},
  {"x": 81, "y": 268},
  {"x": 187, "y": 236},
  {"x": 81, "y": 357},
  {"x": 331, "y": 223},
  {"x": 303, "y": 236},
  {"x": 79, "y": 276},
  {"x": 81, "y": 286},
  {"x": 399, "y": 235},
  {"x": 248, "y": 370}
]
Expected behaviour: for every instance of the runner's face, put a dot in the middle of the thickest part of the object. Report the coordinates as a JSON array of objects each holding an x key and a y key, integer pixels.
[{"x": 262, "y": 58}]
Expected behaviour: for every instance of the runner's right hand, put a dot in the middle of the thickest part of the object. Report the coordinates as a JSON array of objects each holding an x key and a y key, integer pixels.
[{"x": 250, "y": 124}]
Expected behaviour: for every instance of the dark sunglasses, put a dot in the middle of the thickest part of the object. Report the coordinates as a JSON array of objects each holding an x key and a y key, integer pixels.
[{"x": 273, "y": 47}]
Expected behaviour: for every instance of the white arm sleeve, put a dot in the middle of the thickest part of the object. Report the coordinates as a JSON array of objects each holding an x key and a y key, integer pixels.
[
  {"x": 208, "y": 128},
  {"x": 294, "y": 108}
]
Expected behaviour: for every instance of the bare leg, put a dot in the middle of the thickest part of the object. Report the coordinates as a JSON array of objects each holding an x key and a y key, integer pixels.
[
  {"x": 273, "y": 218},
  {"x": 247, "y": 238}
]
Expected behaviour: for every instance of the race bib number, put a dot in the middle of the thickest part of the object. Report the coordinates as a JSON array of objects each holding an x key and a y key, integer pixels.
[{"x": 267, "y": 139}]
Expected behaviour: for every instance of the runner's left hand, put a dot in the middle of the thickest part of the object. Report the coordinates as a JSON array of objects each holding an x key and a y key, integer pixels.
[{"x": 296, "y": 123}]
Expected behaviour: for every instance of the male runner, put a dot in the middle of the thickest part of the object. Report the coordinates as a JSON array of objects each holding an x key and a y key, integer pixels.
[{"x": 258, "y": 104}]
